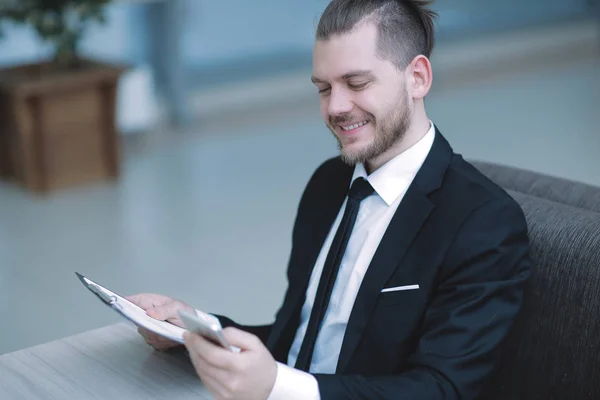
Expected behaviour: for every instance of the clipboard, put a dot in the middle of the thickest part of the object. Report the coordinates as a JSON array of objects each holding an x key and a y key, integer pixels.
[{"x": 133, "y": 313}]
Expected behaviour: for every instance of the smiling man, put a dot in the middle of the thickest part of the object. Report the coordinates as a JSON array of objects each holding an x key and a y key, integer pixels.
[
  {"x": 407, "y": 267},
  {"x": 364, "y": 97}
]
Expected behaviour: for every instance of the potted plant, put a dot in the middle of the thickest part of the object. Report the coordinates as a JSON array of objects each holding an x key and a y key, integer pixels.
[{"x": 57, "y": 116}]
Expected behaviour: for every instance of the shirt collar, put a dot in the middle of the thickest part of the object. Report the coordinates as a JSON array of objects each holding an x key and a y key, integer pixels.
[{"x": 394, "y": 177}]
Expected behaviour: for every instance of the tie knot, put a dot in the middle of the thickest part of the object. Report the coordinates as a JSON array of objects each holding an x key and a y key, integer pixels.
[{"x": 360, "y": 189}]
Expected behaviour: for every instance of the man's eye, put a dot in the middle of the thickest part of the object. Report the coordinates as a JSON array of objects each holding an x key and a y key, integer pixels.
[
  {"x": 323, "y": 91},
  {"x": 357, "y": 86}
]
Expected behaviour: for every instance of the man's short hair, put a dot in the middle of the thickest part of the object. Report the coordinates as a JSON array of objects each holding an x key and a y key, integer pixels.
[{"x": 405, "y": 27}]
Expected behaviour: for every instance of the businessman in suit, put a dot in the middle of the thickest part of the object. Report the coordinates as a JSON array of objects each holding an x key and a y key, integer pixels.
[{"x": 407, "y": 266}]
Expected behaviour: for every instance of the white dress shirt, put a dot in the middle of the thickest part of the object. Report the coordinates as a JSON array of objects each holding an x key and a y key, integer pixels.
[{"x": 390, "y": 181}]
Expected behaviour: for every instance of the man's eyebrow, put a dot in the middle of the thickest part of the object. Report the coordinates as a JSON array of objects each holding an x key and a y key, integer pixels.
[
  {"x": 358, "y": 73},
  {"x": 346, "y": 76}
]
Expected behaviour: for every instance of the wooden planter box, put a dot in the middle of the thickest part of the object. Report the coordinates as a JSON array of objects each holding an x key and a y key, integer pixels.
[{"x": 57, "y": 128}]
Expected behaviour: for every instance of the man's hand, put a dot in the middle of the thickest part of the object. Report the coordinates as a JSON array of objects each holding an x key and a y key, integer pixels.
[
  {"x": 163, "y": 308},
  {"x": 248, "y": 375}
]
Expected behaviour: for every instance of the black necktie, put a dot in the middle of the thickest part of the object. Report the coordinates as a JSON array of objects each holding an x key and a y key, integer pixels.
[{"x": 359, "y": 191}]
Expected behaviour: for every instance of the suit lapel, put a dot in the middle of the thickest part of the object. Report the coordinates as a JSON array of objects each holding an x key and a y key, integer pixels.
[
  {"x": 322, "y": 203},
  {"x": 405, "y": 225}
]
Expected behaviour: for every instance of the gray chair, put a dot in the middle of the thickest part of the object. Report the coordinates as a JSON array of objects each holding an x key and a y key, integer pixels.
[
  {"x": 553, "y": 351},
  {"x": 540, "y": 185}
]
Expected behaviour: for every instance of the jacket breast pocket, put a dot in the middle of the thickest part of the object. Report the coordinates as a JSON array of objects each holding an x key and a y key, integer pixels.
[{"x": 406, "y": 297}]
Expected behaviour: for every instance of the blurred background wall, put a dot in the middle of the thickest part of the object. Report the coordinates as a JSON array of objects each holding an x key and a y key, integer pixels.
[{"x": 223, "y": 42}]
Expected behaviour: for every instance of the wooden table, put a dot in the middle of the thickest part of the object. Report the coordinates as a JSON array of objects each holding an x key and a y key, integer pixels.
[{"x": 108, "y": 363}]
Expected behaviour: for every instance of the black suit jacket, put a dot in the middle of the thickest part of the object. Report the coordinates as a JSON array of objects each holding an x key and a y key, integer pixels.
[{"x": 458, "y": 236}]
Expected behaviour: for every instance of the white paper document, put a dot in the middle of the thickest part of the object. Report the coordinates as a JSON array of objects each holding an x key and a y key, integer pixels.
[{"x": 134, "y": 313}]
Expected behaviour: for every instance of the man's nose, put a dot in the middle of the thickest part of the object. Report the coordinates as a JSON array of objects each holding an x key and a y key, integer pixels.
[{"x": 339, "y": 103}]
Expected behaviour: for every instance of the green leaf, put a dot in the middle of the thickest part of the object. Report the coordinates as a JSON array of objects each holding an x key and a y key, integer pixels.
[{"x": 49, "y": 18}]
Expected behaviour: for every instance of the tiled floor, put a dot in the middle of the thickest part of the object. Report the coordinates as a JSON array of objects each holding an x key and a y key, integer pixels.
[{"x": 207, "y": 217}]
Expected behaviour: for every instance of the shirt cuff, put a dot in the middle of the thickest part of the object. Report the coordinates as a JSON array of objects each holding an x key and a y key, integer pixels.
[{"x": 293, "y": 384}]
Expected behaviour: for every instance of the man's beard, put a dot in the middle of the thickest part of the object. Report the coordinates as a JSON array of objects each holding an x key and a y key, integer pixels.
[{"x": 389, "y": 130}]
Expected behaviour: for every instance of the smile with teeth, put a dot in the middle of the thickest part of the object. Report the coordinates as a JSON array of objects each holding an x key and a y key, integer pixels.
[{"x": 358, "y": 125}]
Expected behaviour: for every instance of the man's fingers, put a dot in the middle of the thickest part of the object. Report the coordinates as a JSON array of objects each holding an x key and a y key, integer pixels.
[
  {"x": 213, "y": 355},
  {"x": 162, "y": 312},
  {"x": 160, "y": 307},
  {"x": 241, "y": 339},
  {"x": 137, "y": 299},
  {"x": 199, "y": 347},
  {"x": 161, "y": 346},
  {"x": 150, "y": 335},
  {"x": 156, "y": 341},
  {"x": 168, "y": 312},
  {"x": 159, "y": 313},
  {"x": 148, "y": 300}
]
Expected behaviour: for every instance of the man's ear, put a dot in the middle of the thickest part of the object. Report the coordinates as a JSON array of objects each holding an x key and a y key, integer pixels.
[{"x": 419, "y": 77}]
